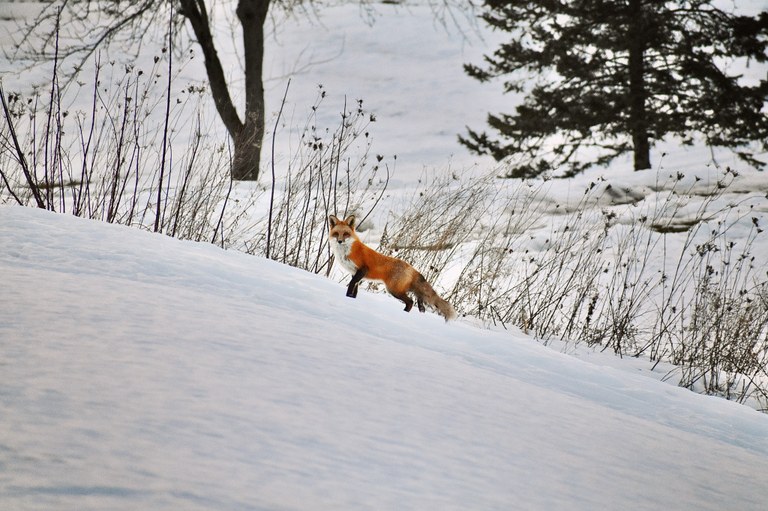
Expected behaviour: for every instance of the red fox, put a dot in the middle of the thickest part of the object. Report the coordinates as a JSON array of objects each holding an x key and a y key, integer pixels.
[{"x": 365, "y": 263}]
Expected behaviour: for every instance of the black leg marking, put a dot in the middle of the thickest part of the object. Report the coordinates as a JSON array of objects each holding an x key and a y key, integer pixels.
[
  {"x": 421, "y": 305},
  {"x": 355, "y": 282}
]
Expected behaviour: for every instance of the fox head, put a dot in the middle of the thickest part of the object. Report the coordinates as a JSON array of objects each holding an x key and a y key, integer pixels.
[{"x": 342, "y": 231}]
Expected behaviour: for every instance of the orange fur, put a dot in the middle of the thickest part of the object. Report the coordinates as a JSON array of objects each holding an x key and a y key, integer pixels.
[{"x": 400, "y": 278}]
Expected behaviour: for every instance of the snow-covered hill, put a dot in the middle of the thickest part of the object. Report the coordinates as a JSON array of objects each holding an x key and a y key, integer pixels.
[{"x": 142, "y": 372}]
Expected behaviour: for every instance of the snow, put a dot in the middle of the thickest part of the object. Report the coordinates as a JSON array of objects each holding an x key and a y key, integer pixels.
[
  {"x": 139, "y": 371},
  {"x": 142, "y": 372},
  {"x": 400, "y": 66},
  {"x": 376, "y": 55}
]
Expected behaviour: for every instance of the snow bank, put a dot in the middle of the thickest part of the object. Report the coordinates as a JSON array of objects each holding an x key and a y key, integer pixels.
[{"x": 142, "y": 372}]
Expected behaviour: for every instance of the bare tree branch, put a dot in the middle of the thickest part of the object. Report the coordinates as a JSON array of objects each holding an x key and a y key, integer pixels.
[{"x": 196, "y": 12}]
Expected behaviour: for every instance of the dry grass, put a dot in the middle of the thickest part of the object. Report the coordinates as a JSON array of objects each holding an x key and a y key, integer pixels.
[{"x": 590, "y": 278}]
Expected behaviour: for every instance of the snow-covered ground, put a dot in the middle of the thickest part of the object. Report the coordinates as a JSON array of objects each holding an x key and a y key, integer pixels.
[{"x": 142, "y": 372}]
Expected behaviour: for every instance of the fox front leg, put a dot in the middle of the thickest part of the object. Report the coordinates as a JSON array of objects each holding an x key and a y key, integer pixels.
[{"x": 355, "y": 282}]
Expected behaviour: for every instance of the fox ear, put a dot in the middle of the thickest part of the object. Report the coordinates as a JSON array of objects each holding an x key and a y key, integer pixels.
[
  {"x": 332, "y": 221},
  {"x": 350, "y": 221}
]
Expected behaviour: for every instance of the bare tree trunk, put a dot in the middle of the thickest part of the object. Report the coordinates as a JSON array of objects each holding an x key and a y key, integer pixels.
[
  {"x": 638, "y": 122},
  {"x": 246, "y": 135},
  {"x": 252, "y": 15}
]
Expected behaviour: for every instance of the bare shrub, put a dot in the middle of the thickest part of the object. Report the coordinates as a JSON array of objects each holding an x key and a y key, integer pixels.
[
  {"x": 720, "y": 342},
  {"x": 444, "y": 214},
  {"x": 591, "y": 274},
  {"x": 331, "y": 172},
  {"x": 582, "y": 273},
  {"x": 107, "y": 163},
  {"x": 115, "y": 162}
]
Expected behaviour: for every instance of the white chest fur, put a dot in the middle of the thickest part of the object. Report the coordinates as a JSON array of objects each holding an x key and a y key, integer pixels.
[{"x": 341, "y": 254}]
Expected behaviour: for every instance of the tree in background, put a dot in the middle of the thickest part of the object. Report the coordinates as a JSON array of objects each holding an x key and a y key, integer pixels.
[
  {"x": 247, "y": 134},
  {"x": 125, "y": 24},
  {"x": 76, "y": 29},
  {"x": 617, "y": 76}
]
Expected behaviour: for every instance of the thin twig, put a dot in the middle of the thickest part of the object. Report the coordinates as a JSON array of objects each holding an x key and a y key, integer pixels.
[
  {"x": 20, "y": 154},
  {"x": 272, "y": 193},
  {"x": 158, "y": 213}
]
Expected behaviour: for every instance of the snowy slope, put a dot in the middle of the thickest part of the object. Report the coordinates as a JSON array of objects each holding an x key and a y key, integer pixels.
[{"x": 142, "y": 372}]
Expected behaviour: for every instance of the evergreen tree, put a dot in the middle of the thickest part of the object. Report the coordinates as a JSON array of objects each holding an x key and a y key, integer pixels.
[{"x": 617, "y": 76}]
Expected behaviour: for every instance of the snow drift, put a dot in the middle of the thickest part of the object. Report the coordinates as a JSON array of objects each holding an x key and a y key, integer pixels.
[{"x": 142, "y": 372}]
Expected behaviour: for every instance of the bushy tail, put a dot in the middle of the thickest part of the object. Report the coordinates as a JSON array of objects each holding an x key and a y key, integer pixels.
[{"x": 424, "y": 293}]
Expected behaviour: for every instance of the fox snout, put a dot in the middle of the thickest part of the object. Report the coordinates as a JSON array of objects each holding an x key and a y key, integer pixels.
[{"x": 343, "y": 240}]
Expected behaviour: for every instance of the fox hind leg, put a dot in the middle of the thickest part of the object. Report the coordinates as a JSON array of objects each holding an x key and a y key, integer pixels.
[{"x": 403, "y": 297}]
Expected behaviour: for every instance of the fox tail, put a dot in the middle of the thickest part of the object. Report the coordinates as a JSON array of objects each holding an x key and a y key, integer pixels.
[{"x": 425, "y": 294}]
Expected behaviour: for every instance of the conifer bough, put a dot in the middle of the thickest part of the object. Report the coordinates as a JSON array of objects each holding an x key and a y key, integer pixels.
[{"x": 600, "y": 79}]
